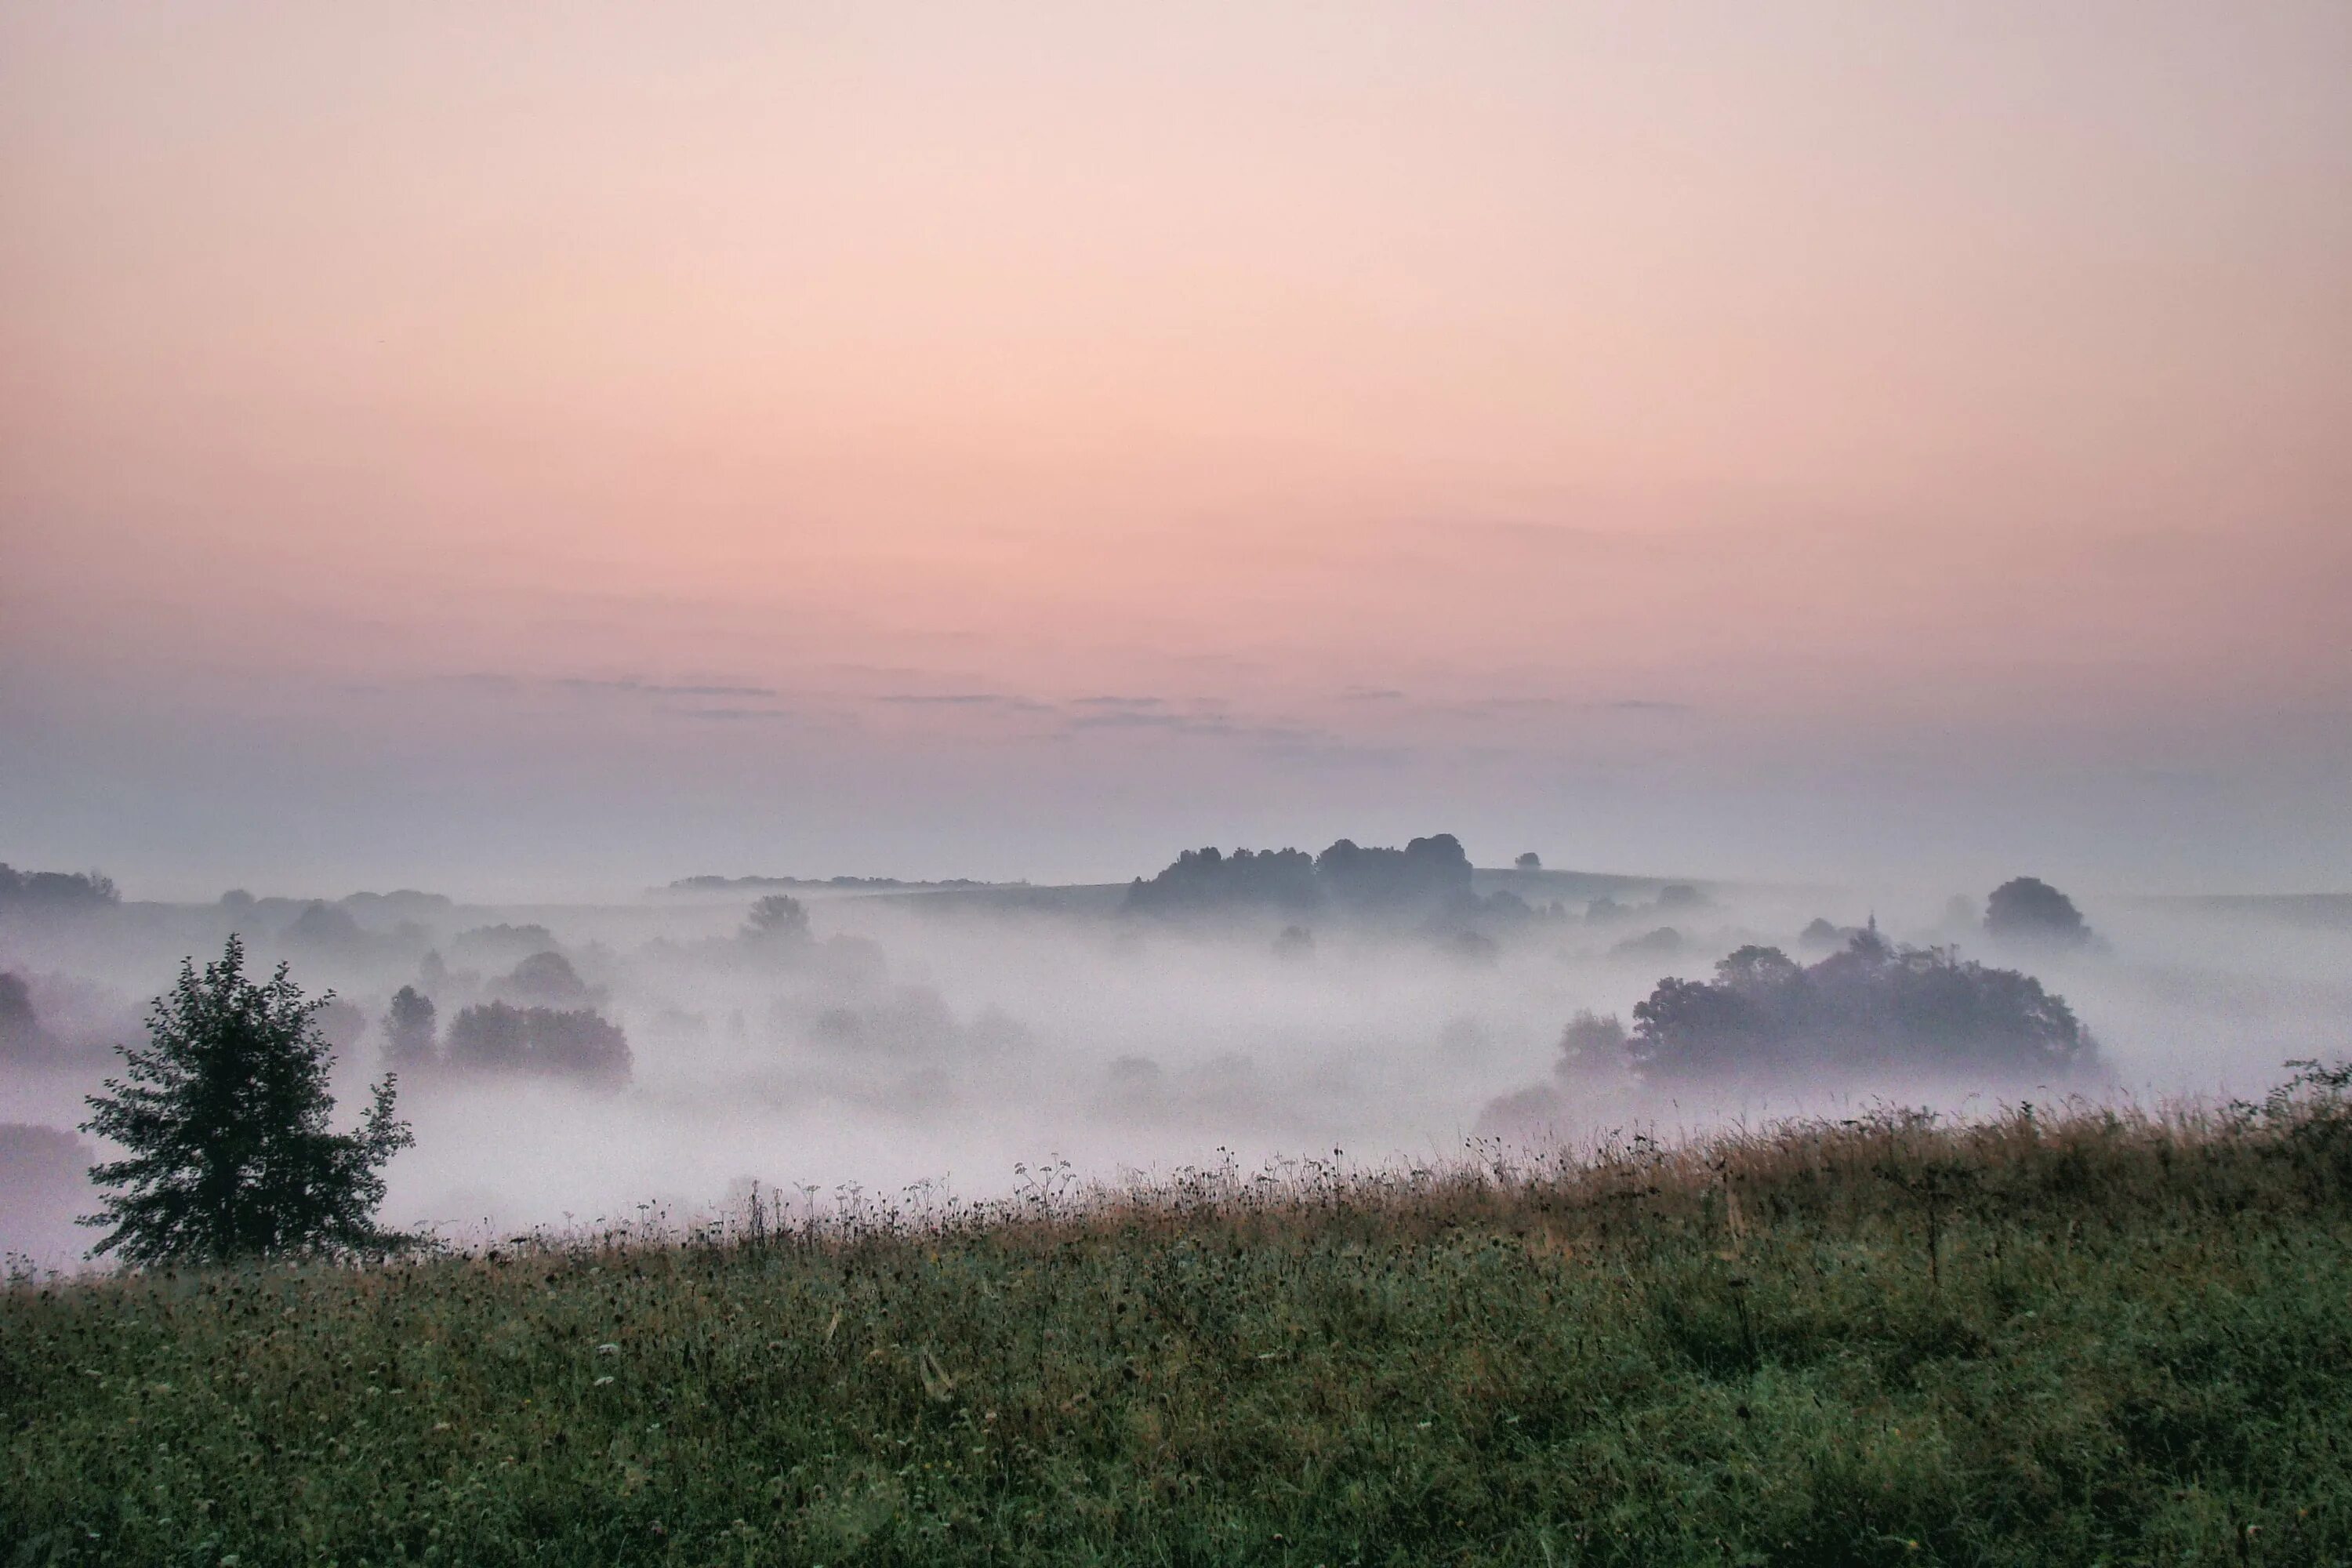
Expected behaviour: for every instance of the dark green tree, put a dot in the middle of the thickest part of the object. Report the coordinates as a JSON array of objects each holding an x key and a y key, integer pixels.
[{"x": 225, "y": 1113}]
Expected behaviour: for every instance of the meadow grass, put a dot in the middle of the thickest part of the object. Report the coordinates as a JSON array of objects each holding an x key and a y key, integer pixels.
[{"x": 2088, "y": 1337}]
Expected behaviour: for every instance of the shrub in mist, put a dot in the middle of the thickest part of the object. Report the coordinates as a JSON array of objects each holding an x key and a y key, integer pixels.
[{"x": 224, "y": 1114}]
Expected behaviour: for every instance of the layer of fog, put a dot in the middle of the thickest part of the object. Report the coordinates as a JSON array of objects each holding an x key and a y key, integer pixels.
[{"x": 971, "y": 1041}]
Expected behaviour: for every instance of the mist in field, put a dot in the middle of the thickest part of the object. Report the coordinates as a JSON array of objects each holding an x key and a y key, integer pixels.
[{"x": 853, "y": 1042}]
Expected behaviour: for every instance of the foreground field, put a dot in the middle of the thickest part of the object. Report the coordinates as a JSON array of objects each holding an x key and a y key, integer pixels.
[{"x": 2081, "y": 1339}]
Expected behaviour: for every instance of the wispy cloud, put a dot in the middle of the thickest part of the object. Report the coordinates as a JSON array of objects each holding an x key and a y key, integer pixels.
[
  {"x": 1175, "y": 723},
  {"x": 634, "y": 687},
  {"x": 1007, "y": 701}
]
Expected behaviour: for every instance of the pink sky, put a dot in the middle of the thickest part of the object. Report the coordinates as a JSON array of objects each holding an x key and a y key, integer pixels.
[{"x": 513, "y": 444}]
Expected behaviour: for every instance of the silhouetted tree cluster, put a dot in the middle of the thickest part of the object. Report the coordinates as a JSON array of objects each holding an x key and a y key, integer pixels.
[
  {"x": 1870, "y": 1005},
  {"x": 224, "y": 1115},
  {"x": 499, "y": 1036},
  {"x": 1425, "y": 870},
  {"x": 1346, "y": 876},
  {"x": 50, "y": 891},
  {"x": 2027, "y": 910},
  {"x": 1247, "y": 879}
]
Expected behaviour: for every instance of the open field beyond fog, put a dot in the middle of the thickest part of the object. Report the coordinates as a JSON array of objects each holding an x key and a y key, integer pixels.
[{"x": 2070, "y": 1339}]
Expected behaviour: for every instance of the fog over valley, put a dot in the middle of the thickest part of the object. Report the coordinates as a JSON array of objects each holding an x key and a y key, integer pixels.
[{"x": 645, "y": 1059}]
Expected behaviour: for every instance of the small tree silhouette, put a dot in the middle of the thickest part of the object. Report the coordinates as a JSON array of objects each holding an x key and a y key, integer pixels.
[
  {"x": 779, "y": 918},
  {"x": 409, "y": 1028},
  {"x": 225, "y": 1112}
]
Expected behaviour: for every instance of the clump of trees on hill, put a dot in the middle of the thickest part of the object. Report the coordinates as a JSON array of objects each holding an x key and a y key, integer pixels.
[
  {"x": 1346, "y": 876},
  {"x": 1872, "y": 1004}
]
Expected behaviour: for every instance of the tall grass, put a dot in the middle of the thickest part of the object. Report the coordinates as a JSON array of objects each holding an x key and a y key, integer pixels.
[{"x": 2092, "y": 1335}]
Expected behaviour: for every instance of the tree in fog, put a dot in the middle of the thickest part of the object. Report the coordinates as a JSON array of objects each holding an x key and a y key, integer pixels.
[
  {"x": 21, "y": 1034},
  {"x": 777, "y": 920},
  {"x": 2026, "y": 909},
  {"x": 1530, "y": 861},
  {"x": 547, "y": 980},
  {"x": 410, "y": 1029},
  {"x": 225, "y": 1112},
  {"x": 580, "y": 1043},
  {"x": 1872, "y": 1003},
  {"x": 1591, "y": 1045}
]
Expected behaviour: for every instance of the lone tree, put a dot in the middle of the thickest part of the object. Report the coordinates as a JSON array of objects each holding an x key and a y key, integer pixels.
[{"x": 225, "y": 1113}]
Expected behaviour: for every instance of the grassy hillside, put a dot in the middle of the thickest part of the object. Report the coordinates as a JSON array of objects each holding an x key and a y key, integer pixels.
[{"x": 2077, "y": 1338}]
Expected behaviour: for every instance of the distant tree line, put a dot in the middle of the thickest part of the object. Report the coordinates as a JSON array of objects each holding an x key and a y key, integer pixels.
[
  {"x": 48, "y": 891},
  {"x": 1346, "y": 876}
]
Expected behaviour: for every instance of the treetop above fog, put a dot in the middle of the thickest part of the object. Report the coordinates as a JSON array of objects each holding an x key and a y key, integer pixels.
[
  {"x": 2026, "y": 909},
  {"x": 1870, "y": 1004}
]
